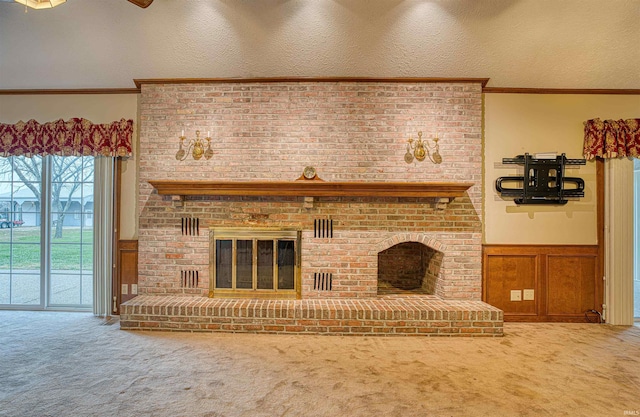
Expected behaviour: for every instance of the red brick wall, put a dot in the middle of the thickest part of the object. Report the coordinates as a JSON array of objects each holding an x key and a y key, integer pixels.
[{"x": 350, "y": 131}]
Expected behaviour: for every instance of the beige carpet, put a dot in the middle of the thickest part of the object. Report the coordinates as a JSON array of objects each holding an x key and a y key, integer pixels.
[{"x": 71, "y": 364}]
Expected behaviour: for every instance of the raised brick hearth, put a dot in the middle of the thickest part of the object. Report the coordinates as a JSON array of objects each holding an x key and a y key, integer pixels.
[{"x": 385, "y": 316}]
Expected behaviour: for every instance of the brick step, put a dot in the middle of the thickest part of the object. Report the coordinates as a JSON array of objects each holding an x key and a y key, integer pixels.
[{"x": 419, "y": 315}]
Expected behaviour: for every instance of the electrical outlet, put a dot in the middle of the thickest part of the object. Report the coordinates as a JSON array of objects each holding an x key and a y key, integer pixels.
[
  {"x": 125, "y": 289},
  {"x": 134, "y": 289},
  {"x": 528, "y": 295},
  {"x": 516, "y": 295}
]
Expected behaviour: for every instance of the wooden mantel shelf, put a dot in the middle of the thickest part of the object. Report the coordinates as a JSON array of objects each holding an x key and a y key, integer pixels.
[{"x": 311, "y": 188}]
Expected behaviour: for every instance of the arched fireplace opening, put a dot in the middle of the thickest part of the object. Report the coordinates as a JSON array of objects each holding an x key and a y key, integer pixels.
[{"x": 408, "y": 268}]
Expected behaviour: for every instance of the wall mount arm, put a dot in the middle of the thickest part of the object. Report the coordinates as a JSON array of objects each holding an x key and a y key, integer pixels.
[{"x": 543, "y": 181}]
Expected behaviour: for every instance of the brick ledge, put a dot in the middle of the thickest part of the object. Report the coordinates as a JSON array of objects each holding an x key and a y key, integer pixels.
[{"x": 388, "y": 316}]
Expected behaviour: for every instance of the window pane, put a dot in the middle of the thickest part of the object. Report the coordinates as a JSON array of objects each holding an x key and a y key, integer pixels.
[
  {"x": 265, "y": 264},
  {"x": 286, "y": 263},
  {"x": 71, "y": 287},
  {"x": 244, "y": 264},
  {"x": 25, "y": 288},
  {"x": 86, "y": 291},
  {"x": 25, "y": 257},
  {"x": 87, "y": 258},
  {"x": 224, "y": 260},
  {"x": 65, "y": 257},
  {"x": 71, "y": 190},
  {"x": 87, "y": 234},
  {"x": 5, "y": 256},
  {"x": 5, "y": 288},
  {"x": 65, "y": 289}
]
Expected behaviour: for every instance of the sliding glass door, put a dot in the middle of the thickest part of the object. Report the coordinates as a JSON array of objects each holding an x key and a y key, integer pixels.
[{"x": 46, "y": 232}]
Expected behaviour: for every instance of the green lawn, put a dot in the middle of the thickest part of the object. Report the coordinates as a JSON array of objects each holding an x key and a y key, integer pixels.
[{"x": 66, "y": 253}]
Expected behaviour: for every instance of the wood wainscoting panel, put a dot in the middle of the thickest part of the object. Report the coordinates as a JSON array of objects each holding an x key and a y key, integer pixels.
[
  {"x": 565, "y": 281},
  {"x": 506, "y": 273},
  {"x": 571, "y": 286},
  {"x": 127, "y": 268}
]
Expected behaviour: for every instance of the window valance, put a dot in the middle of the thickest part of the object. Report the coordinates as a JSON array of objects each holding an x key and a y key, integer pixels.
[
  {"x": 611, "y": 138},
  {"x": 74, "y": 137}
]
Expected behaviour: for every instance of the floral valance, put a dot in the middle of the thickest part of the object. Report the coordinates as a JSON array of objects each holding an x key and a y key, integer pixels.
[
  {"x": 77, "y": 137},
  {"x": 611, "y": 138}
]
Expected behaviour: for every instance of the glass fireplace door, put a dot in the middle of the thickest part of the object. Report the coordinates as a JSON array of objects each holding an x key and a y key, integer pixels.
[{"x": 250, "y": 263}]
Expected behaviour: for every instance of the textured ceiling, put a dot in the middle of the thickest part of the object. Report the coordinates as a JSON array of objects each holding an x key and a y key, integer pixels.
[{"x": 526, "y": 43}]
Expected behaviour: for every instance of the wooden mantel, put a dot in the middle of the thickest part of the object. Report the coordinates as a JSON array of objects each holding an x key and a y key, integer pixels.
[{"x": 311, "y": 188}]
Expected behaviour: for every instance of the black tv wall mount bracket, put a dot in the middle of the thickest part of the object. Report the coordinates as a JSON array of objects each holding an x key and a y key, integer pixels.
[{"x": 543, "y": 181}]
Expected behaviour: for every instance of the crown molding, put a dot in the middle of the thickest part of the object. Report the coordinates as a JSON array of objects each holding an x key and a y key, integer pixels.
[
  {"x": 594, "y": 91},
  {"x": 140, "y": 82},
  {"x": 482, "y": 81},
  {"x": 70, "y": 91}
]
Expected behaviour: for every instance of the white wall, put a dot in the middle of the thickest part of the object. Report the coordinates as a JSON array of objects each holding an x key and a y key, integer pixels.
[
  {"x": 519, "y": 123},
  {"x": 525, "y": 43}
]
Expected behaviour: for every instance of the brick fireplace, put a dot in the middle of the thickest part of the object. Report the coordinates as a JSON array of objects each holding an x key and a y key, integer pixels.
[{"x": 378, "y": 258}]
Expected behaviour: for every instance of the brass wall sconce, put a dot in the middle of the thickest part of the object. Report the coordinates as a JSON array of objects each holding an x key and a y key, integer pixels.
[
  {"x": 195, "y": 146},
  {"x": 421, "y": 150}
]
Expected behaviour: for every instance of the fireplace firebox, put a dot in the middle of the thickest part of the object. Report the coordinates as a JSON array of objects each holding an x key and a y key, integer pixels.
[{"x": 409, "y": 268}]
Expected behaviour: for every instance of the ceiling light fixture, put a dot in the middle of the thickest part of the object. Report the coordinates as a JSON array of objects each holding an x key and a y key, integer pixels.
[{"x": 41, "y": 4}]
